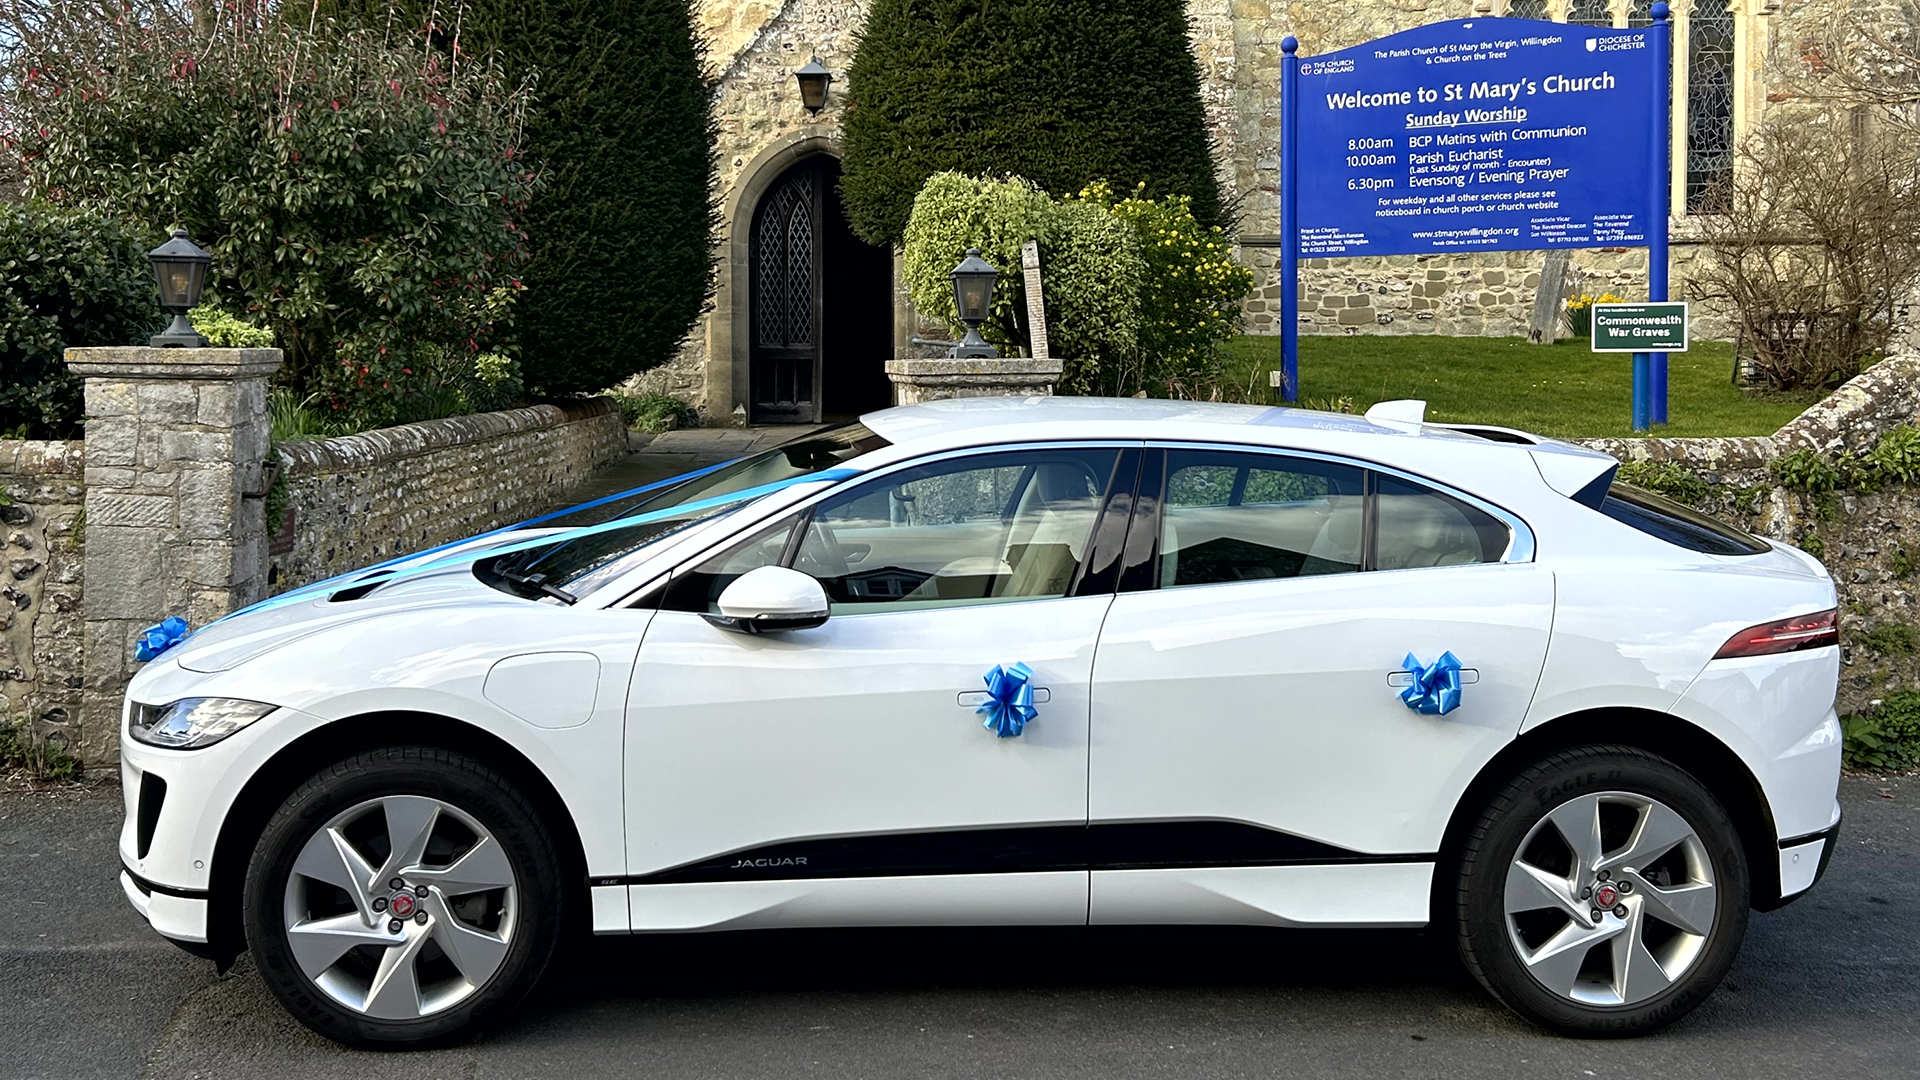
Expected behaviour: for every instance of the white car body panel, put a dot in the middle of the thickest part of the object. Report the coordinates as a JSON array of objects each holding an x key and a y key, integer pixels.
[
  {"x": 1371, "y": 894},
  {"x": 1220, "y": 703},
  {"x": 853, "y": 728},
  {"x": 1016, "y": 899},
  {"x": 1251, "y": 701}
]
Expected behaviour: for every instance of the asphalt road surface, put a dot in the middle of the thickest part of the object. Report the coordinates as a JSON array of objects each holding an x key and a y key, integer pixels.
[{"x": 1828, "y": 987}]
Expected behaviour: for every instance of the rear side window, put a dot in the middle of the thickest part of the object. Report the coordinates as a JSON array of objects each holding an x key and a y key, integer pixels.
[
  {"x": 1676, "y": 523},
  {"x": 1250, "y": 517},
  {"x": 1417, "y": 526}
]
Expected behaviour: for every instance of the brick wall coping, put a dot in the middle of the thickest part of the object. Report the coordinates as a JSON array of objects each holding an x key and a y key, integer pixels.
[
  {"x": 41, "y": 457},
  {"x": 411, "y": 440}
]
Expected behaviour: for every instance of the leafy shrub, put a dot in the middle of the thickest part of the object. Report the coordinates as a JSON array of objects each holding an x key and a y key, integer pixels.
[
  {"x": 1887, "y": 639},
  {"x": 223, "y": 331},
  {"x": 1190, "y": 297},
  {"x": 1064, "y": 92},
  {"x": 291, "y": 418},
  {"x": 495, "y": 383},
  {"x": 620, "y": 255},
  {"x": 1669, "y": 478},
  {"x": 361, "y": 192},
  {"x": 1895, "y": 458},
  {"x": 1090, "y": 262},
  {"x": 1897, "y": 455},
  {"x": 39, "y": 760},
  {"x": 67, "y": 278},
  {"x": 1884, "y": 737},
  {"x": 656, "y": 412},
  {"x": 1806, "y": 470}
]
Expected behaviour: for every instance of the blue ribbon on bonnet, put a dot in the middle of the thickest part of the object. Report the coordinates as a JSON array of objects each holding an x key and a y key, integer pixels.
[
  {"x": 1009, "y": 705},
  {"x": 1436, "y": 687},
  {"x": 160, "y": 637}
]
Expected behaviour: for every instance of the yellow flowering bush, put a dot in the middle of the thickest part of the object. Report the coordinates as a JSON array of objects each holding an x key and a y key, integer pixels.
[
  {"x": 1190, "y": 300},
  {"x": 1091, "y": 269},
  {"x": 1139, "y": 294},
  {"x": 1580, "y": 312}
]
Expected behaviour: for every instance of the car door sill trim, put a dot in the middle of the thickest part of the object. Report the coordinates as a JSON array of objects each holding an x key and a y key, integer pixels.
[{"x": 1153, "y": 845}]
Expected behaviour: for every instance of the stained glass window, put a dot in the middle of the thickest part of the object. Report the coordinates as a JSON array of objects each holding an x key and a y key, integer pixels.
[
  {"x": 1589, "y": 13},
  {"x": 1709, "y": 106},
  {"x": 1640, "y": 13},
  {"x": 1528, "y": 9}
]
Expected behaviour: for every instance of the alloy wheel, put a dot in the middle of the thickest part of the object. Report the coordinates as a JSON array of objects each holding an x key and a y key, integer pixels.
[
  {"x": 1610, "y": 899},
  {"x": 400, "y": 907}
]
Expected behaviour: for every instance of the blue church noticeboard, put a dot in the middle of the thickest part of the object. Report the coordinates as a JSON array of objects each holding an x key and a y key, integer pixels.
[{"x": 1477, "y": 135}]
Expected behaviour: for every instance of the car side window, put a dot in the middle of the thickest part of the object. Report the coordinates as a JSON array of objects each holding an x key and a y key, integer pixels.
[
  {"x": 1417, "y": 526},
  {"x": 697, "y": 588},
  {"x": 996, "y": 527},
  {"x": 1248, "y": 517}
]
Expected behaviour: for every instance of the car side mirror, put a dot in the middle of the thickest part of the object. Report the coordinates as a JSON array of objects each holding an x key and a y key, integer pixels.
[{"x": 769, "y": 599}]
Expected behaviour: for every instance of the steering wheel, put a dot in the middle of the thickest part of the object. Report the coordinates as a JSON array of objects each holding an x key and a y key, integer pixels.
[{"x": 820, "y": 553}]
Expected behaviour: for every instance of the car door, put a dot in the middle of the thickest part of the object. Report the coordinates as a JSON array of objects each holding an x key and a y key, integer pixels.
[
  {"x": 841, "y": 774},
  {"x": 1251, "y": 757}
]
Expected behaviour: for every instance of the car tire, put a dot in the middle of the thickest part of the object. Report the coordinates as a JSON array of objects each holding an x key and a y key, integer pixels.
[
  {"x": 473, "y": 923},
  {"x": 1645, "y": 835}
]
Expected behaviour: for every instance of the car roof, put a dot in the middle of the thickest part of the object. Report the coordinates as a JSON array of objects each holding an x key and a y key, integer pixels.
[
  {"x": 1489, "y": 464},
  {"x": 952, "y": 416}
]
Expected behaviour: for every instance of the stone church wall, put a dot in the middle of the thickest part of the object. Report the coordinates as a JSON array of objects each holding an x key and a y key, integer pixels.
[{"x": 755, "y": 45}]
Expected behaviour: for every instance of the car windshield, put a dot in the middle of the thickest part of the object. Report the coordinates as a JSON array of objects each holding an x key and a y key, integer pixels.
[{"x": 573, "y": 568}]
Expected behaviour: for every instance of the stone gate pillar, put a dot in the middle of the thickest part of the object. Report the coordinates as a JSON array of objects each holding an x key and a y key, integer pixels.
[
  {"x": 915, "y": 381},
  {"x": 175, "y": 512}
]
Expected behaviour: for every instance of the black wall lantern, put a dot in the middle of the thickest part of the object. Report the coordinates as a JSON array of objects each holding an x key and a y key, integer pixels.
[
  {"x": 814, "y": 80},
  {"x": 973, "y": 296},
  {"x": 180, "y": 267}
]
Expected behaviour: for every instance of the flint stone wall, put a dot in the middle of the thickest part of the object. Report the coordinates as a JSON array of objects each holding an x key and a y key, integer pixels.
[
  {"x": 359, "y": 499},
  {"x": 1869, "y": 540},
  {"x": 42, "y": 627}
]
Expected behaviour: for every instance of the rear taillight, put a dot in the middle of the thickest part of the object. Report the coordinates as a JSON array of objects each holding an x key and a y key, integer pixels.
[{"x": 1814, "y": 631}]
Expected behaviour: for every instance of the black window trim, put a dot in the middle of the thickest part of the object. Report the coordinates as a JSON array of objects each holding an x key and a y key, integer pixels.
[{"x": 1143, "y": 555}]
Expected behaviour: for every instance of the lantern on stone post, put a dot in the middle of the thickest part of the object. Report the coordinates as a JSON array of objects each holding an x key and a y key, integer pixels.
[
  {"x": 180, "y": 269},
  {"x": 973, "y": 283}
]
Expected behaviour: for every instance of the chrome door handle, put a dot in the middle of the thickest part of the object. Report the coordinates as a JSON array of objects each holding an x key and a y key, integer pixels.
[
  {"x": 973, "y": 699},
  {"x": 1468, "y": 676}
]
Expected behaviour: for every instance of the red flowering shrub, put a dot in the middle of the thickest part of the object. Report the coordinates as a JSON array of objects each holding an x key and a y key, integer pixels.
[{"x": 361, "y": 190}]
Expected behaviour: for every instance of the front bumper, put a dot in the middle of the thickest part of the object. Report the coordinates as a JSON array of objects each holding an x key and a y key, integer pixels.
[{"x": 180, "y": 914}]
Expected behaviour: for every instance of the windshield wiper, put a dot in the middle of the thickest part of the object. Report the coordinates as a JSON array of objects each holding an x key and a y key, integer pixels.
[{"x": 537, "y": 582}]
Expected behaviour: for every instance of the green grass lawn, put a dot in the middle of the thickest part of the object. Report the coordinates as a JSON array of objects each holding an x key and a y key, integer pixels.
[{"x": 1561, "y": 390}]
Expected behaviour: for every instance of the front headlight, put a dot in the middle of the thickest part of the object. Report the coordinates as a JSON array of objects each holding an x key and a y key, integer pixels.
[{"x": 191, "y": 723}]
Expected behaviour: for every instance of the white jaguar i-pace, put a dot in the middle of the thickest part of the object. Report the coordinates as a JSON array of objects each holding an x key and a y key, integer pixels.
[{"x": 1001, "y": 661}]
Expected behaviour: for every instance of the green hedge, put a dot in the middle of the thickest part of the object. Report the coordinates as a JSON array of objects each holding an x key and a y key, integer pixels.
[
  {"x": 619, "y": 240},
  {"x": 1062, "y": 92},
  {"x": 67, "y": 279}
]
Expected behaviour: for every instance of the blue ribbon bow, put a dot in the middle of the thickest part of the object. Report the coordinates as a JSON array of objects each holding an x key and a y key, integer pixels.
[
  {"x": 1436, "y": 688},
  {"x": 160, "y": 637},
  {"x": 1009, "y": 705}
]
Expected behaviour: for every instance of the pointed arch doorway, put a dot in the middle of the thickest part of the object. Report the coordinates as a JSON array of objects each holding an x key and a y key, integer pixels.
[{"x": 820, "y": 306}]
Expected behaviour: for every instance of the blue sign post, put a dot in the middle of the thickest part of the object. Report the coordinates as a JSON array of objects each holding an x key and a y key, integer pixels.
[{"x": 1478, "y": 135}]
